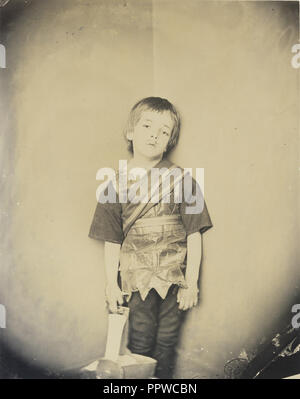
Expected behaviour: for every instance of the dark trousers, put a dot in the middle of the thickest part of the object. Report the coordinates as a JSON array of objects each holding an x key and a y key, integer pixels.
[{"x": 154, "y": 326}]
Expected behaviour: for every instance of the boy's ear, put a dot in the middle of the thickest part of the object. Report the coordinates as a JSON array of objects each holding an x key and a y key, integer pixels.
[{"x": 129, "y": 135}]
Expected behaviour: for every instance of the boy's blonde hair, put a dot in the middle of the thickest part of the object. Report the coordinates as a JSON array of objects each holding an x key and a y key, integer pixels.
[{"x": 157, "y": 104}]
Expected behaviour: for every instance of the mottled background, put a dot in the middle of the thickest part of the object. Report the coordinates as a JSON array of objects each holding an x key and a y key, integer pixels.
[{"x": 74, "y": 69}]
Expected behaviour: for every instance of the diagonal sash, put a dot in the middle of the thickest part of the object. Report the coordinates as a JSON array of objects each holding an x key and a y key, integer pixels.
[{"x": 144, "y": 207}]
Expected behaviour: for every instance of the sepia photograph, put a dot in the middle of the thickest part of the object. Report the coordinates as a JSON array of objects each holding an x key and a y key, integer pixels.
[{"x": 149, "y": 191}]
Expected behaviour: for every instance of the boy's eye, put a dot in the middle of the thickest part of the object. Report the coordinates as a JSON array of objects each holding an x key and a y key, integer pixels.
[
  {"x": 146, "y": 125},
  {"x": 166, "y": 133}
]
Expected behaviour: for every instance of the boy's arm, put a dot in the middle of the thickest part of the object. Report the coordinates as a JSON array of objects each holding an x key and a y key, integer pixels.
[
  {"x": 188, "y": 297},
  {"x": 194, "y": 254},
  {"x": 113, "y": 292}
]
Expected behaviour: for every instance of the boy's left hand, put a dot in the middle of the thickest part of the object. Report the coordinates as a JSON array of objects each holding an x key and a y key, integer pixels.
[{"x": 187, "y": 297}]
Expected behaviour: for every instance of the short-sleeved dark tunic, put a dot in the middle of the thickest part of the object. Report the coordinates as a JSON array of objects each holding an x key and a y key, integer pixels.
[{"x": 153, "y": 253}]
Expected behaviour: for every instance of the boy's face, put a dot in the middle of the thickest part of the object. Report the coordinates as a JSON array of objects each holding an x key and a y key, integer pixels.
[{"x": 151, "y": 134}]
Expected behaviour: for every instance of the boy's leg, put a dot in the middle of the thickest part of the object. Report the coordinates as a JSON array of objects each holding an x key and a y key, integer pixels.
[
  {"x": 170, "y": 319},
  {"x": 143, "y": 323}
]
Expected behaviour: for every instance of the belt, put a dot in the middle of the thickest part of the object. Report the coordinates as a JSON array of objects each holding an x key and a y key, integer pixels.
[{"x": 158, "y": 220}]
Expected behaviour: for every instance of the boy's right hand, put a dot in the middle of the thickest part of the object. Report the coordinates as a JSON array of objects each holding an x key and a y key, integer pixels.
[{"x": 113, "y": 297}]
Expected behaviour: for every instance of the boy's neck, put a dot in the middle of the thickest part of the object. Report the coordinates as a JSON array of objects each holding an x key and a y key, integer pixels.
[{"x": 142, "y": 162}]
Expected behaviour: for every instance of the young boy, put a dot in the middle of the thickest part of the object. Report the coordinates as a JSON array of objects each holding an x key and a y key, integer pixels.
[{"x": 155, "y": 244}]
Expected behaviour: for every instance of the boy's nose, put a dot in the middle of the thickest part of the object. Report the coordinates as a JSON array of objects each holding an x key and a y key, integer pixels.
[{"x": 154, "y": 135}]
